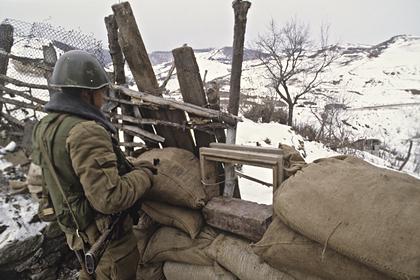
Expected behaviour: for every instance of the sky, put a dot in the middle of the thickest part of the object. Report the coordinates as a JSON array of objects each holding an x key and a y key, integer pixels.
[{"x": 167, "y": 24}]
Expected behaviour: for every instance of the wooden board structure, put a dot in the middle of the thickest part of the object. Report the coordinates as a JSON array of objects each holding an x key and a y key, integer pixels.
[{"x": 245, "y": 218}]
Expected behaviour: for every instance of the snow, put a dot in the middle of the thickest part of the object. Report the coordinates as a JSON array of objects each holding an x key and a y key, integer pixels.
[
  {"x": 16, "y": 212},
  {"x": 374, "y": 82}
]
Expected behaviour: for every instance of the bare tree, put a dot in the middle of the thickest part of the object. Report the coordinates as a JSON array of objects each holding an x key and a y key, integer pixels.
[{"x": 293, "y": 63}]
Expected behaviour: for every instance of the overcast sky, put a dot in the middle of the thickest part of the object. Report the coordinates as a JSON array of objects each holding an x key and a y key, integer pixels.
[{"x": 166, "y": 24}]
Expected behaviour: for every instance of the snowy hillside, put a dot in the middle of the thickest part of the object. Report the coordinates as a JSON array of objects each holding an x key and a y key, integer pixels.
[{"x": 378, "y": 88}]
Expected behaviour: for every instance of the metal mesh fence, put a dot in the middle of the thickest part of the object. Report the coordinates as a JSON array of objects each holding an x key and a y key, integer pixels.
[{"x": 29, "y": 42}]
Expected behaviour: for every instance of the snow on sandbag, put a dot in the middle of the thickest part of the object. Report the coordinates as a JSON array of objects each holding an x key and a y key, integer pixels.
[
  {"x": 282, "y": 247},
  {"x": 182, "y": 271},
  {"x": 237, "y": 256},
  {"x": 367, "y": 213},
  {"x": 171, "y": 244},
  {"x": 188, "y": 220},
  {"x": 178, "y": 181}
]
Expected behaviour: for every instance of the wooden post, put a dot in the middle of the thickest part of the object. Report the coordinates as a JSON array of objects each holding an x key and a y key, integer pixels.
[
  {"x": 135, "y": 52},
  {"x": 240, "y": 9},
  {"x": 6, "y": 43},
  {"x": 119, "y": 75},
  {"x": 50, "y": 58},
  {"x": 191, "y": 87}
]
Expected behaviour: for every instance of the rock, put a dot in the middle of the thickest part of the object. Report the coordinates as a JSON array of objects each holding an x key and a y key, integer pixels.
[{"x": 18, "y": 250}]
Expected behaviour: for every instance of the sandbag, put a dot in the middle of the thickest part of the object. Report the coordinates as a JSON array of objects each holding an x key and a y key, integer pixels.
[
  {"x": 152, "y": 271},
  {"x": 182, "y": 271},
  {"x": 143, "y": 230},
  {"x": 367, "y": 213},
  {"x": 237, "y": 256},
  {"x": 171, "y": 244},
  {"x": 188, "y": 220},
  {"x": 178, "y": 181},
  {"x": 282, "y": 248},
  {"x": 34, "y": 175},
  {"x": 292, "y": 160}
]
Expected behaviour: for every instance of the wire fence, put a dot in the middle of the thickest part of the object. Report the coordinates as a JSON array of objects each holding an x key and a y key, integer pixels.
[{"x": 28, "y": 61}]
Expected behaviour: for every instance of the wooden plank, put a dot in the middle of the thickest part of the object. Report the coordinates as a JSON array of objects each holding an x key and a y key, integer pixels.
[
  {"x": 252, "y": 158},
  {"x": 4, "y": 78},
  {"x": 191, "y": 87},
  {"x": 187, "y": 107},
  {"x": 247, "y": 148},
  {"x": 143, "y": 134},
  {"x": 210, "y": 177},
  {"x": 245, "y": 218},
  {"x": 119, "y": 74},
  {"x": 50, "y": 58},
  {"x": 213, "y": 98},
  {"x": 21, "y": 104},
  {"x": 207, "y": 128},
  {"x": 6, "y": 43},
  {"x": 23, "y": 94},
  {"x": 137, "y": 58}
]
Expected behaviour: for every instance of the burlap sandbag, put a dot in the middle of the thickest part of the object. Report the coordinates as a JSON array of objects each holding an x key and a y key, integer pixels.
[
  {"x": 34, "y": 175},
  {"x": 367, "y": 213},
  {"x": 182, "y": 271},
  {"x": 187, "y": 220},
  {"x": 282, "y": 247},
  {"x": 237, "y": 256},
  {"x": 178, "y": 181},
  {"x": 292, "y": 160},
  {"x": 152, "y": 271},
  {"x": 171, "y": 244}
]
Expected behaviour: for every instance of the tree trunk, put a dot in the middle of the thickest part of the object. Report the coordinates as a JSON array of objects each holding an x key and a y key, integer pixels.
[
  {"x": 137, "y": 58},
  {"x": 290, "y": 115}
]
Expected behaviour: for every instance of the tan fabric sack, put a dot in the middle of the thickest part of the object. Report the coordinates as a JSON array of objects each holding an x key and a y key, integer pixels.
[
  {"x": 282, "y": 247},
  {"x": 187, "y": 220},
  {"x": 34, "y": 175},
  {"x": 178, "y": 181},
  {"x": 171, "y": 244},
  {"x": 292, "y": 160},
  {"x": 182, "y": 271},
  {"x": 367, "y": 213},
  {"x": 152, "y": 271},
  {"x": 237, "y": 256}
]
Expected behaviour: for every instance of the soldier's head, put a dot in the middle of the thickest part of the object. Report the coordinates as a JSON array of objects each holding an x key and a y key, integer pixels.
[{"x": 80, "y": 74}]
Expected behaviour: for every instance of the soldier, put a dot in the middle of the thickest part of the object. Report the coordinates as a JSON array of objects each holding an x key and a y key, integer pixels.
[{"x": 74, "y": 144}]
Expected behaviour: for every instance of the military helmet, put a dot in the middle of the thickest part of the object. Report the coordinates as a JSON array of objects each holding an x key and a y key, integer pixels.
[{"x": 79, "y": 69}]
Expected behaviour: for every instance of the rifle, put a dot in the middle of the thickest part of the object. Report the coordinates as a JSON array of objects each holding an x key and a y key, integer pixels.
[{"x": 95, "y": 252}]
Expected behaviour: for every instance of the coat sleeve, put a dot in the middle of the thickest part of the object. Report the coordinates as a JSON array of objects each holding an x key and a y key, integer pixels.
[{"x": 95, "y": 163}]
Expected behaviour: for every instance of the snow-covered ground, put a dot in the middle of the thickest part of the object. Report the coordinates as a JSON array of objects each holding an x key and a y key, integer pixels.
[{"x": 379, "y": 86}]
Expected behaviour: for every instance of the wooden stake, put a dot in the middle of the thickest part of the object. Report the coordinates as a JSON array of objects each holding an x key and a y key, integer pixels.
[
  {"x": 191, "y": 87},
  {"x": 137, "y": 58},
  {"x": 240, "y": 9}
]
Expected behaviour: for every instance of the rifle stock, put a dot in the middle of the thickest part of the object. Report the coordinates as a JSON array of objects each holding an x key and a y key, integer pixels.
[{"x": 93, "y": 256}]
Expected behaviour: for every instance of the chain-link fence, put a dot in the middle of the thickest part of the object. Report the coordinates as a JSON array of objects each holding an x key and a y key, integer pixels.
[{"x": 36, "y": 46}]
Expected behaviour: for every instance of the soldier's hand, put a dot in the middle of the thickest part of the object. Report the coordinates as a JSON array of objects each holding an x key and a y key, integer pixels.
[{"x": 144, "y": 164}]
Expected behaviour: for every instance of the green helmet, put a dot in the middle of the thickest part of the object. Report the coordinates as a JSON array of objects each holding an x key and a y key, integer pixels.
[{"x": 79, "y": 69}]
